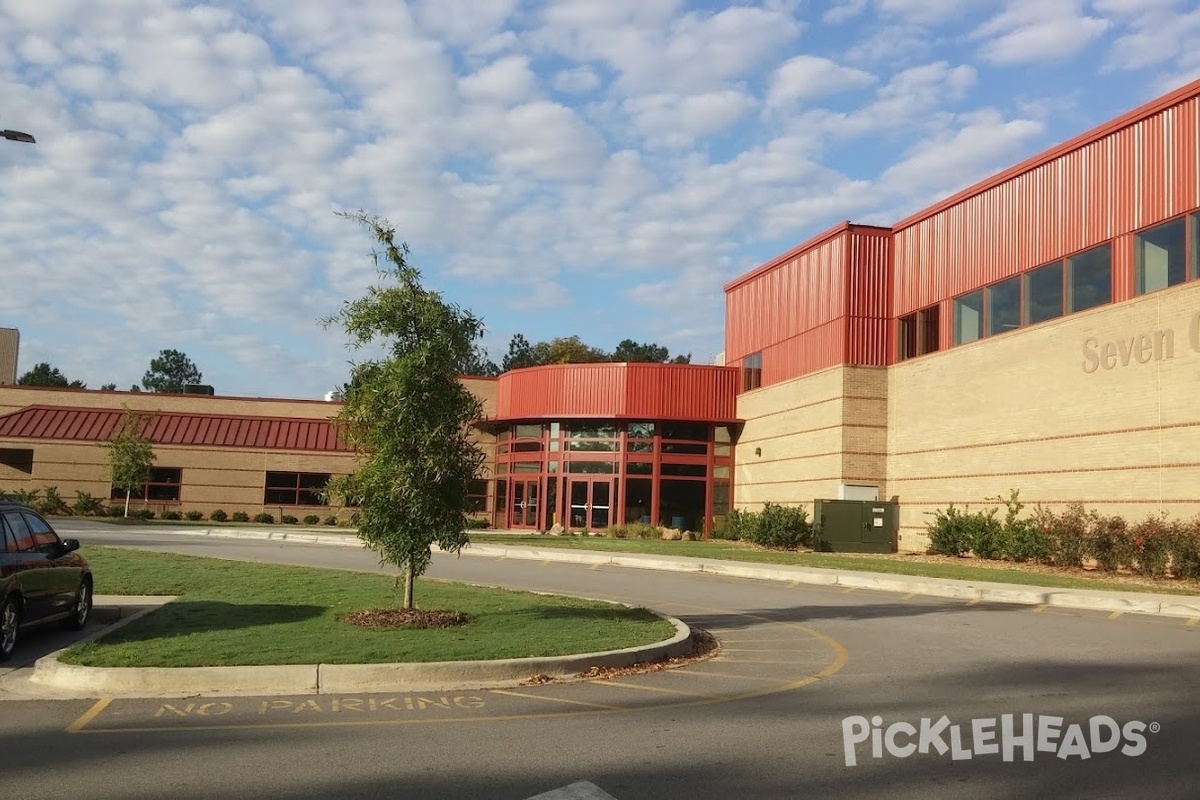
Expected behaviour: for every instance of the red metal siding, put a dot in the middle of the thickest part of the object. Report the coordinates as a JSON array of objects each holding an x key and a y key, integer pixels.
[
  {"x": 869, "y": 301},
  {"x": 92, "y": 425},
  {"x": 646, "y": 391},
  {"x": 1103, "y": 189}
]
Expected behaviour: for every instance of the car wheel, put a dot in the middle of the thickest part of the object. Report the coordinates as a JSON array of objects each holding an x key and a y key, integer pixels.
[
  {"x": 10, "y": 620},
  {"x": 82, "y": 608}
]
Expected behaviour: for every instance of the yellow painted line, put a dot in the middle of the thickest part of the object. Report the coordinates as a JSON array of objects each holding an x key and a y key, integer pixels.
[
  {"x": 621, "y": 685},
  {"x": 1115, "y": 614},
  {"x": 1191, "y": 623},
  {"x": 973, "y": 602},
  {"x": 851, "y": 589},
  {"x": 89, "y": 715},
  {"x": 595, "y": 566},
  {"x": 1040, "y": 608},
  {"x": 909, "y": 596},
  {"x": 757, "y": 661},
  {"x": 766, "y": 649},
  {"x": 554, "y": 699},
  {"x": 711, "y": 674}
]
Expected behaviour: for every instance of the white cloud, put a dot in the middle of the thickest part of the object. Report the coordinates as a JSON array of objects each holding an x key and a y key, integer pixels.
[
  {"x": 577, "y": 80},
  {"x": 844, "y": 11},
  {"x": 677, "y": 121},
  {"x": 508, "y": 80},
  {"x": 928, "y": 11},
  {"x": 1030, "y": 31},
  {"x": 804, "y": 77}
]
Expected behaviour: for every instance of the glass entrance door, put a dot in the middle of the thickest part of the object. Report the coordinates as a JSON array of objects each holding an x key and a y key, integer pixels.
[
  {"x": 590, "y": 503},
  {"x": 523, "y": 512}
]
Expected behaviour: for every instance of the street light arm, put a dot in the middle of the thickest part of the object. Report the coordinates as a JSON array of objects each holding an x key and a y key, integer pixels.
[{"x": 18, "y": 136}]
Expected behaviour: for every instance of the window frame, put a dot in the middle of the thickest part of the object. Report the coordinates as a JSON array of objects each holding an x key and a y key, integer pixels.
[
  {"x": 752, "y": 372},
  {"x": 1187, "y": 222},
  {"x": 296, "y": 490},
  {"x": 155, "y": 481}
]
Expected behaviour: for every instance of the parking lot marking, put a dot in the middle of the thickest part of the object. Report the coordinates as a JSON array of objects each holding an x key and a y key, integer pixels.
[
  {"x": 622, "y": 685},
  {"x": 510, "y": 693},
  {"x": 89, "y": 715},
  {"x": 710, "y": 674},
  {"x": 1115, "y": 614},
  {"x": 1039, "y": 609},
  {"x": 766, "y": 649},
  {"x": 909, "y": 596},
  {"x": 848, "y": 591},
  {"x": 973, "y": 601},
  {"x": 1191, "y": 623}
]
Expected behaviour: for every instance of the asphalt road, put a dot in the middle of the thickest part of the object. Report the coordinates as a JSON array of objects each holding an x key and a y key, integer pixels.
[{"x": 764, "y": 719}]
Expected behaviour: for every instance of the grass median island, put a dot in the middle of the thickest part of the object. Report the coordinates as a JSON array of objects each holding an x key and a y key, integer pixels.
[
  {"x": 237, "y": 613},
  {"x": 896, "y": 564}
]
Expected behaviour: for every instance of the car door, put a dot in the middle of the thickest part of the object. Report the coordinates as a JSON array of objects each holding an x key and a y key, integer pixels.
[
  {"x": 27, "y": 566},
  {"x": 62, "y": 569}
]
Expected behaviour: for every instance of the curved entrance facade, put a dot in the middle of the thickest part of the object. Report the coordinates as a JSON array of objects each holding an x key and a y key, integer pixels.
[{"x": 588, "y": 446}]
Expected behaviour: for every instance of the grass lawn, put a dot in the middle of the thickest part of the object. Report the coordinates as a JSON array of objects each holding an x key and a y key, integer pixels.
[
  {"x": 237, "y": 613},
  {"x": 994, "y": 572}
]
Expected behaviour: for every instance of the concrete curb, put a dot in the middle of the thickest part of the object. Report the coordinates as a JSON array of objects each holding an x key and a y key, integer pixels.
[
  {"x": 50, "y": 673},
  {"x": 1183, "y": 606}
]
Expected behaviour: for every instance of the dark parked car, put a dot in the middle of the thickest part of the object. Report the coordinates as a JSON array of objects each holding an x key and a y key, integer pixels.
[{"x": 42, "y": 578}]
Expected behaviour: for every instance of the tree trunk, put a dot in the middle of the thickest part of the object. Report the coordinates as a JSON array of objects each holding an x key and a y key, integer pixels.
[
  {"x": 127, "y": 493},
  {"x": 409, "y": 579}
]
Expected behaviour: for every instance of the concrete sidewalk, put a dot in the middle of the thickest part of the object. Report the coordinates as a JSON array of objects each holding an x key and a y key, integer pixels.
[{"x": 1182, "y": 606}]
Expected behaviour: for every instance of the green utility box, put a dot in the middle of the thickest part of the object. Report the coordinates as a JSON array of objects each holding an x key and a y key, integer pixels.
[{"x": 855, "y": 526}]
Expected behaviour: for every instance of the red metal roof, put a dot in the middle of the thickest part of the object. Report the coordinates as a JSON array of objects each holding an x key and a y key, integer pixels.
[{"x": 217, "y": 430}]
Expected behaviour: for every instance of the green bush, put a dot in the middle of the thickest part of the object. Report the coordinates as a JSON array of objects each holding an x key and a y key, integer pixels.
[
  {"x": 311, "y": 519},
  {"x": 53, "y": 504},
  {"x": 143, "y": 513},
  {"x": 115, "y": 511},
  {"x": 193, "y": 515},
  {"x": 27, "y": 497},
  {"x": 86, "y": 505},
  {"x": 778, "y": 527},
  {"x": 265, "y": 517},
  {"x": 1068, "y": 534},
  {"x": 288, "y": 519},
  {"x": 218, "y": 516},
  {"x": 172, "y": 515},
  {"x": 949, "y": 534},
  {"x": 240, "y": 516},
  {"x": 1109, "y": 543},
  {"x": 1185, "y": 549},
  {"x": 331, "y": 520}
]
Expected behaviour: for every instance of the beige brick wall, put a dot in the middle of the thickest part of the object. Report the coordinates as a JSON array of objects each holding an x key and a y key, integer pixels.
[
  {"x": 9, "y": 340},
  {"x": 1021, "y": 411},
  {"x": 814, "y": 433}
]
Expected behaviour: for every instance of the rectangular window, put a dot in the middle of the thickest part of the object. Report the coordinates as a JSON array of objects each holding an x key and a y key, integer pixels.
[
  {"x": 163, "y": 486},
  {"x": 968, "y": 318},
  {"x": 599, "y": 430},
  {"x": 18, "y": 458},
  {"x": 1089, "y": 278},
  {"x": 1004, "y": 306},
  {"x": 919, "y": 333},
  {"x": 906, "y": 338},
  {"x": 686, "y": 431},
  {"x": 527, "y": 466},
  {"x": 680, "y": 448},
  {"x": 752, "y": 371},
  {"x": 640, "y": 430},
  {"x": 1160, "y": 257},
  {"x": 639, "y": 468},
  {"x": 1194, "y": 246},
  {"x": 295, "y": 488},
  {"x": 476, "y": 496},
  {"x": 689, "y": 470},
  {"x": 590, "y": 467},
  {"x": 527, "y": 432},
  {"x": 1044, "y": 293}
]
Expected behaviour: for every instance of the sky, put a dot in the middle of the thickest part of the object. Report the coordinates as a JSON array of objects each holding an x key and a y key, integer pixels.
[{"x": 597, "y": 168}]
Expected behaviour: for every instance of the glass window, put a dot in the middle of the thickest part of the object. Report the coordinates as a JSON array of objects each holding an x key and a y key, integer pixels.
[
  {"x": 685, "y": 449},
  {"x": 639, "y": 447},
  {"x": 598, "y": 430},
  {"x": 476, "y": 496},
  {"x": 42, "y": 535},
  {"x": 527, "y": 447},
  {"x": 687, "y": 431},
  {"x": 752, "y": 371},
  {"x": 592, "y": 445},
  {"x": 295, "y": 488},
  {"x": 682, "y": 504},
  {"x": 1004, "y": 306},
  {"x": 164, "y": 485},
  {"x": 968, "y": 318},
  {"x": 527, "y": 432},
  {"x": 527, "y": 466},
  {"x": 1194, "y": 250},
  {"x": 919, "y": 333},
  {"x": 1089, "y": 278},
  {"x": 906, "y": 338},
  {"x": 590, "y": 467},
  {"x": 639, "y": 467},
  {"x": 8, "y": 544},
  {"x": 1044, "y": 293},
  {"x": 637, "y": 500},
  {"x": 721, "y": 472},
  {"x": 721, "y": 433},
  {"x": 641, "y": 430},
  {"x": 1160, "y": 257},
  {"x": 22, "y": 536},
  {"x": 685, "y": 470},
  {"x": 722, "y": 450}
]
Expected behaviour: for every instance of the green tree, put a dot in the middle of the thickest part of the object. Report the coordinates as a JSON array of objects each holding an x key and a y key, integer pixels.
[
  {"x": 45, "y": 375},
  {"x": 479, "y": 364},
  {"x": 130, "y": 455},
  {"x": 571, "y": 350},
  {"x": 520, "y": 354},
  {"x": 407, "y": 415},
  {"x": 170, "y": 372},
  {"x": 629, "y": 350},
  {"x": 108, "y": 387}
]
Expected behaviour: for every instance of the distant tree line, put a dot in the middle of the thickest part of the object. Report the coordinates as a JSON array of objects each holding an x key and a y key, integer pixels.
[
  {"x": 566, "y": 350},
  {"x": 170, "y": 371}
]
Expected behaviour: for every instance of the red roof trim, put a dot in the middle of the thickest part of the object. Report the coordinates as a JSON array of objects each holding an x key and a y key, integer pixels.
[
  {"x": 800, "y": 249},
  {"x": 1083, "y": 140},
  {"x": 173, "y": 428}
]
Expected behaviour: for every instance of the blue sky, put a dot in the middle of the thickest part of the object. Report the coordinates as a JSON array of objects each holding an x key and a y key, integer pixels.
[{"x": 560, "y": 168}]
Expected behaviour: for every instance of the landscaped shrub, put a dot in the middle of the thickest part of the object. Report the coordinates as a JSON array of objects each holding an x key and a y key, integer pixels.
[
  {"x": 218, "y": 516},
  {"x": 1021, "y": 539},
  {"x": 476, "y": 524},
  {"x": 193, "y": 515},
  {"x": 1068, "y": 534},
  {"x": 143, "y": 513},
  {"x": 172, "y": 515},
  {"x": 115, "y": 511},
  {"x": 53, "y": 504},
  {"x": 331, "y": 520},
  {"x": 776, "y": 526},
  {"x": 27, "y": 497},
  {"x": 86, "y": 505},
  {"x": 288, "y": 519},
  {"x": 949, "y": 533},
  {"x": 240, "y": 516},
  {"x": 1185, "y": 549},
  {"x": 1109, "y": 543},
  {"x": 311, "y": 519},
  {"x": 265, "y": 517}
]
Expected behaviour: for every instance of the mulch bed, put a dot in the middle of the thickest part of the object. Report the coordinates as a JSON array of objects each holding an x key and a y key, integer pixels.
[{"x": 404, "y": 618}]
